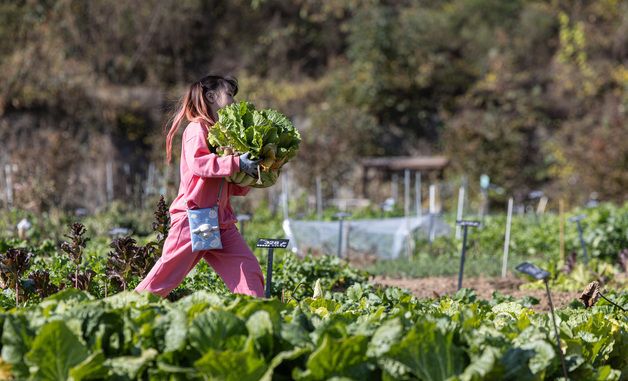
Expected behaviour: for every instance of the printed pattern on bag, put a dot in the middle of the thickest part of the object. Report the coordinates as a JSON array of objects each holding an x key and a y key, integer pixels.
[
  {"x": 204, "y": 226},
  {"x": 204, "y": 229}
]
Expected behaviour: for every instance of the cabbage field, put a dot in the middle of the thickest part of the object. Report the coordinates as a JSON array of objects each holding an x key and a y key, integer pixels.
[{"x": 67, "y": 312}]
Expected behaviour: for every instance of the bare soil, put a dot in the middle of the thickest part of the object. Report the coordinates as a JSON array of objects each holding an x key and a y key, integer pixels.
[{"x": 484, "y": 286}]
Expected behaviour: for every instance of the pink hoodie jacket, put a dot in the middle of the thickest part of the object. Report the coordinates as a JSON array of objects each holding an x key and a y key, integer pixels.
[{"x": 201, "y": 175}]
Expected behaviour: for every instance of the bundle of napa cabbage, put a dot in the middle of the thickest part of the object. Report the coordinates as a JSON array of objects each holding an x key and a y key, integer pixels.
[{"x": 267, "y": 134}]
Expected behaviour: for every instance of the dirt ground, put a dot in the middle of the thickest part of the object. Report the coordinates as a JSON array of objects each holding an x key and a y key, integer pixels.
[{"x": 447, "y": 285}]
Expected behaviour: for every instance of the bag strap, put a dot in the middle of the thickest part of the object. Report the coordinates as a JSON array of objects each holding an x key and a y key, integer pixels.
[{"x": 220, "y": 189}]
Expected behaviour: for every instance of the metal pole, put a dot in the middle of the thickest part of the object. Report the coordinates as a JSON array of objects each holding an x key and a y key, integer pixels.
[
  {"x": 507, "y": 238},
  {"x": 560, "y": 351},
  {"x": 464, "y": 250},
  {"x": 584, "y": 246},
  {"x": 269, "y": 272}
]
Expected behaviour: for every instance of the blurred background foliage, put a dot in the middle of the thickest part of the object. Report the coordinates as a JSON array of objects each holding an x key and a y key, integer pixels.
[{"x": 533, "y": 93}]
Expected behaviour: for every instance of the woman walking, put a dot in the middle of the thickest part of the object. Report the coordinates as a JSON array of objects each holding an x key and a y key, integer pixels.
[{"x": 202, "y": 186}]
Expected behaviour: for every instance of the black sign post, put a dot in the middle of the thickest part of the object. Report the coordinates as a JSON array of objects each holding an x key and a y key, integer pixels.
[
  {"x": 465, "y": 225},
  {"x": 537, "y": 273},
  {"x": 271, "y": 244},
  {"x": 577, "y": 220},
  {"x": 341, "y": 217}
]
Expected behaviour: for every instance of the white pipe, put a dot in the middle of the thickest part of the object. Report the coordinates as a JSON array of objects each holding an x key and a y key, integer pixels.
[
  {"x": 432, "y": 211},
  {"x": 417, "y": 194},
  {"x": 406, "y": 193},
  {"x": 459, "y": 211},
  {"x": 507, "y": 238},
  {"x": 432, "y": 199}
]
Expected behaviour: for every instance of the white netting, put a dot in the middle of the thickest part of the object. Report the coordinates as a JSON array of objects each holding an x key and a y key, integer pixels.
[{"x": 384, "y": 238}]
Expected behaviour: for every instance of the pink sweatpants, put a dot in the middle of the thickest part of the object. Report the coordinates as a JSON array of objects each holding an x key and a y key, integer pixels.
[{"x": 235, "y": 263}]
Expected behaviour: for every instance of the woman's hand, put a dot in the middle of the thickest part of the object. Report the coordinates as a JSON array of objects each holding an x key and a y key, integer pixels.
[{"x": 248, "y": 166}]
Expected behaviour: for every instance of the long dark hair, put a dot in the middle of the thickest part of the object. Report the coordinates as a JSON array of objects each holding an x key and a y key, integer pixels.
[{"x": 194, "y": 105}]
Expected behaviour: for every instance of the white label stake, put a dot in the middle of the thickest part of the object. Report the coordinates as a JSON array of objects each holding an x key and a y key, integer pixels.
[
  {"x": 459, "y": 212},
  {"x": 507, "y": 238}
]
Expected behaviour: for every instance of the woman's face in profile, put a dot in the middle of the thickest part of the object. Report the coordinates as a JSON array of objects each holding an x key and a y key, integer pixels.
[
  {"x": 225, "y": 98},
  {"x": 222, "y": 98}
]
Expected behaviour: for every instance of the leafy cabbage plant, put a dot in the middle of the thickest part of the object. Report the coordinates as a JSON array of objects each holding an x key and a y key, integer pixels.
[{"x": 267, "y": 134}]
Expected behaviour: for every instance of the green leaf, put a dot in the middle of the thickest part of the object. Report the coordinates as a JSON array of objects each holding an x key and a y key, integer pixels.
[
  {"x": 216, "y": 329},
  {"x": 515, "y": 364},
  {"x": 385, "y": 336},
  {"x": 543, "y": 357},
  {"x": 296, "y": 332},
  {"x": 93, "y": 367},
  {"x": 132, "y": 367},
  {"x": 232, "y": 365},
  {"x": 247, "y": 130},
  {"x": 16, "y": 339},
  {"x": 483, "y": 366},
  {"x": 199, "y": 300},
  {"x": 176, "y": 335},
  {"x": 54, "y": 352},
  {"x": 173, "y": 369},
  {"x": 259, "y": 120},
  {"x": 606, "y": 373},
  {"x": 430, "y": 354},
  {"x": 260, "y": 327},
  {"x": 322, "y": 307},
  {"x": 70, "y": 295},
  {"x": 292, "y": 354},
  {"x": 339, "y": 357},
  {"x": 102, "y": 329},
  {"x": 285, "y": 140}
]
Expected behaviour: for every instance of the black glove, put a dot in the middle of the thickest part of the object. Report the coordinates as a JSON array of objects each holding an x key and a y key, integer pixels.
[{"x": 248, "y": 166}]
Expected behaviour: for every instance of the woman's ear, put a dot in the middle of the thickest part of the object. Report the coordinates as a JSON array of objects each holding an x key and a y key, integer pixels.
[{"x": 211, "y": 96}]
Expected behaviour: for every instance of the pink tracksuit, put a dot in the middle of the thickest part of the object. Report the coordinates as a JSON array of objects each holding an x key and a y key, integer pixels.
[{"x": 201, "y": 175}]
